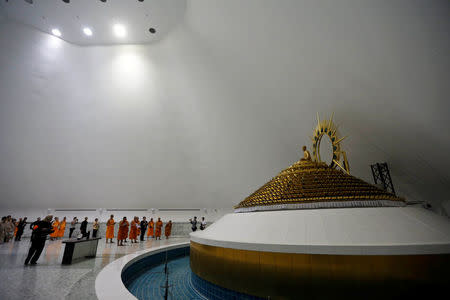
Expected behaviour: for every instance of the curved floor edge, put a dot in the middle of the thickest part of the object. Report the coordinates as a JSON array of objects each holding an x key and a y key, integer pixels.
[{"x": 108, "y": 283}]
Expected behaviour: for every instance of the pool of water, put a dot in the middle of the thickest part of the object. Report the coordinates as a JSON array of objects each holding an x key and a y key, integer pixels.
[
  {"x": 149, "y": 285},
  {"x": 145, "y": 278}
]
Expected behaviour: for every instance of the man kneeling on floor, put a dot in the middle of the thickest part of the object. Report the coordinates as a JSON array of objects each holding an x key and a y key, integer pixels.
[{"x": 40, "y": 231}]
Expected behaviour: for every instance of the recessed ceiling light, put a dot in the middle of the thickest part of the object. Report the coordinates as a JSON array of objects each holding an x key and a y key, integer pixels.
[
  {"x": 87, "y": 31},
  {"x": 56, "y": 32},
  {"x": 152, "y": 30},
  {"x": 119, "y": 30}
]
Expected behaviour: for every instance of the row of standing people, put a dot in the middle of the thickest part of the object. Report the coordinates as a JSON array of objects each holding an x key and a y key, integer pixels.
[
  {"x": 83, "y": 227},
  {"x": 136, "y": 228},
  {"x": 9, "y": 225},
  {"x": 194, "y": 223},
  {"x": 59, "y": 227},
  {"x": 9, "y": 228}
]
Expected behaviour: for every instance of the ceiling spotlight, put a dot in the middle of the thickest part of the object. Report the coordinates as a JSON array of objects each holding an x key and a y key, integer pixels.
[
  {"x": 66, "y": 1},
  {"x": 152, "y": 30},
  {"x": 103, "y": 0},
  {"x": 87, "y": 31},
  {"x": 119, "y": 30},
  {"x": 56, "y": 32},
  {"x": 29, "y": 1}
]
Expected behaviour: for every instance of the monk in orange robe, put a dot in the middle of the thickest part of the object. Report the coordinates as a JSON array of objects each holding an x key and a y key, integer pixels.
[
  {"x": 55, "y": 228},
  {"x": 159, "y": 225},
  {"x": 62, "y": 228},
  {"x": 168, "y": 229},
  {"x": 110, "y": 229},
  {"x": 123, "y": 231},
  {"x": 150, "y": 232},
  {"x": 134, "y": 229},
  {"x": 16, "y": 225}
]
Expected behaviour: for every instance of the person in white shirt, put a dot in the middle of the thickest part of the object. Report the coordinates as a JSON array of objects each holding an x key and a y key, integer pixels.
[
  {"x": 203, "y": 224},
  {"x": 72, "y": 226}
]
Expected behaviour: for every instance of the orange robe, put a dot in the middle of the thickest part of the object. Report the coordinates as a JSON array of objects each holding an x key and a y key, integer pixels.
[
  {"x": 16, "y": 229},
  {"x": 168, "y": 229},
  {"x": 123, "y": 230},
  {"x": 62, "y": 228},
  {"x": 150, "y": 229},
  {"x": 159, "y": 225},
  {"x": 133, "y": 230},
  {"x": 110, "y": 229},
  {"x": 55, "y": 226}
]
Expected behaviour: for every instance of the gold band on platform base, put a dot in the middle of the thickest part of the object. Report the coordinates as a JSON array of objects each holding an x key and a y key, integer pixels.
[{"x": 283, "y": 275}]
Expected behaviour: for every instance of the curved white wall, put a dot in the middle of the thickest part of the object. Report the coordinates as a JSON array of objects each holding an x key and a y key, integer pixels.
[{"x": 206, "y": 116}]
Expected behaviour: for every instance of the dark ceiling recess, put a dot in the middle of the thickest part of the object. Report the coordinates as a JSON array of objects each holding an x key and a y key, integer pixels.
[
  {"x": 152, "y": 30},
  {"x": 66, "y": 1},
  {"x": 103, "y": 0}
]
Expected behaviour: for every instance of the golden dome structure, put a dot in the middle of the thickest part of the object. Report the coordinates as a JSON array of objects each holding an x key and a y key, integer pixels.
[
  {"x": 312, "y": 183},
  {"x": 316, "y": 232},
  {"x": 307, "y": 184}
]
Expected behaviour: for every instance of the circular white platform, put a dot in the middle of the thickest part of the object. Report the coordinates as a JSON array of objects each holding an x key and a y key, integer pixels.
[
  {"x": 109, "y": 284},
  {"x": 350, "y": 231}
]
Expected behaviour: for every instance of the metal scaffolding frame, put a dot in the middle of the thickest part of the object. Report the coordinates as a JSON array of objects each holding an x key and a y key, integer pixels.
[{"x": 380, "y": 172}]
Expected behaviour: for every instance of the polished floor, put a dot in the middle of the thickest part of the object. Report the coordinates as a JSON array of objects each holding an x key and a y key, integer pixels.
[{"x": 51, "y": 280}]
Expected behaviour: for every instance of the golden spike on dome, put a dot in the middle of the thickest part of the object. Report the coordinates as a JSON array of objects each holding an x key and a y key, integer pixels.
[
  {"x": 318, "y": 121},
  {"x": 335, "y": 129},
  {"x": 341, "y": 139},
  {"x": 339, "y": 165},
  {"x": 331, "y": 121}
]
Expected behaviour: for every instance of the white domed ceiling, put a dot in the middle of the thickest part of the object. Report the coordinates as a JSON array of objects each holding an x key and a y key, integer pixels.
[
  {"x": 206, "y": 115},
  {"x": 139, "y": 22}
]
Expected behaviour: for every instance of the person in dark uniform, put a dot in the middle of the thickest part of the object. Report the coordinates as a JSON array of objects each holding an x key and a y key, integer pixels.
[
  {"x": 83, "y": 226},
  {"x": 193, "y": 223},
  {"x": 20, "y": 228},
  {"x": 40, "y": 231},
  {"x": 34, "y": 223},
  {"x": 144, "y": 225}
]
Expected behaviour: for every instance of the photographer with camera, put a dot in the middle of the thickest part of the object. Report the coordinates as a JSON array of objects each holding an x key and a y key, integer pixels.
[{"x": 40, "y": 231}]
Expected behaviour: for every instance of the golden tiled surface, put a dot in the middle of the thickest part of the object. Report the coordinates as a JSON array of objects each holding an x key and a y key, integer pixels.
[
  {"x": 282, "y": 274},
  {"x": 308, "y": 181}
]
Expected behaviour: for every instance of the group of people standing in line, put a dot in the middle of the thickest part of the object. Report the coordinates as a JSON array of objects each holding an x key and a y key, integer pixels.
[
  {"x": 10, "y": 227},
  {"x": 83, "y": 227},
  {"x": 194, "y": 223},
  {"x": 59, "y": 227},
  {"x": 136, "y": 228}
]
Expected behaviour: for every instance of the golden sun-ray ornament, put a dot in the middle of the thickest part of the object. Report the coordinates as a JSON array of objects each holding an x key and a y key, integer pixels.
[{"x": 327, "y": 129}]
